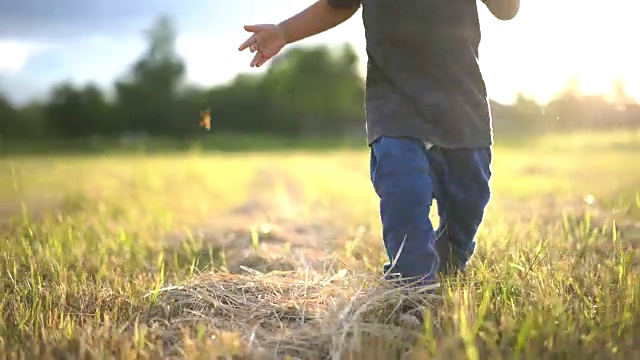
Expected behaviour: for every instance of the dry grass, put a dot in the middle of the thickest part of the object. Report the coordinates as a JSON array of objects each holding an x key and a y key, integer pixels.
[
  {"x": 213, "y": 257},
  {"x": 302, "y": 313}
]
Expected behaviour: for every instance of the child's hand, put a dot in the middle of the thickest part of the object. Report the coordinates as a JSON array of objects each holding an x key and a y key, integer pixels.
[{"x": 266, "y": 41}]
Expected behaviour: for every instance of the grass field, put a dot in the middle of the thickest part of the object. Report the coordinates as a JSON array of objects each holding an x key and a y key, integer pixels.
[{"x": 255, "y": 254}]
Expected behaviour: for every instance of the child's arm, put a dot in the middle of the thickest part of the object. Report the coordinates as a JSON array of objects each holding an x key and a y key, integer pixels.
[
  {"x": 503, "y": 9},
  {"x": 268, "y": 39},
  {"x": 317, "y": 18}
]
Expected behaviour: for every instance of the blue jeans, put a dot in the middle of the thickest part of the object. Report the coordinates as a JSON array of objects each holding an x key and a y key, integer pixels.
[{"x": 407, "y": 176}]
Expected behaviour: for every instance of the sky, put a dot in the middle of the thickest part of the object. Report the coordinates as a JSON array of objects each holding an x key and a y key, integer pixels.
[{"x": 43, "y": 42}]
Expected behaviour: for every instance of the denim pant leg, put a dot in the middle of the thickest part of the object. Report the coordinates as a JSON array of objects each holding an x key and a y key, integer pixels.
[
  {"x": 462, "y": 192},
  {"x": 402, "y": 178}
]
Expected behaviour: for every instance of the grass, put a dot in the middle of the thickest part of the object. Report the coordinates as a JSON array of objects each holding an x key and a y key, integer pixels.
[
  {"x": 245, "y": 255},
  {"x": 206, "y": 142}
]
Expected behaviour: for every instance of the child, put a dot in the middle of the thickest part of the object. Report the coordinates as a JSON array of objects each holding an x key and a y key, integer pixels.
[{"x": 427, "y": 120}]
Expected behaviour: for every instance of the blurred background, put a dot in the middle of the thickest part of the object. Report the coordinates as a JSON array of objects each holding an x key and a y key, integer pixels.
[{"x": 115, "y": 71}]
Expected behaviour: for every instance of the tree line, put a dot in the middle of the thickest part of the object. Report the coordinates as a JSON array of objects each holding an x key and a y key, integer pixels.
[{"x": 305, "y": 91}]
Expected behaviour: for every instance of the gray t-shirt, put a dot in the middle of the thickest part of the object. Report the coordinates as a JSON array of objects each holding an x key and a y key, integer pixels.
[{"x": 423, "y": 77}]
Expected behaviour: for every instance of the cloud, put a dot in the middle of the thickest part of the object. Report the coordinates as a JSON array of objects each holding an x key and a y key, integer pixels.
[
  {"x": 60, "y": 19},
  {"x": 14, "y": 55},
  {"x": 63, "y": 19},
  {"x": 32, "y": 72},
  {"x": 43, "y": 42}
]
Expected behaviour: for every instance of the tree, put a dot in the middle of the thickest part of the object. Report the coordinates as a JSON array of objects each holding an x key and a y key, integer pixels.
[
  {"x": 567, "y": 108},
  {"x": 315, "y": 89},
  {"x": 149, "y": 98},
  {"x": 620, "y": 95},
  {"x": 9, "y": 120},
  {"x": 527, "y": 113},
  {"x": 78, "y": 112},
  {"x": 245, "y": 106}
]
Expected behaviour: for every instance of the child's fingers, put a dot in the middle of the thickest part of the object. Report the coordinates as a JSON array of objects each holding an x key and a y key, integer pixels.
[
  {"x": 263, "y": 59},
  {"x": 253, "y": 48},
  {"x": 250, "y": 41},
  {"x": 255, "y": 28},
  {"x": 256, "y": 59}
]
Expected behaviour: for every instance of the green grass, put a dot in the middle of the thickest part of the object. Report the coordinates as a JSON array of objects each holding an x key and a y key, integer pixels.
[
  {"x": 83, "y": 240},
  {"x": 213, "y": 142}
]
